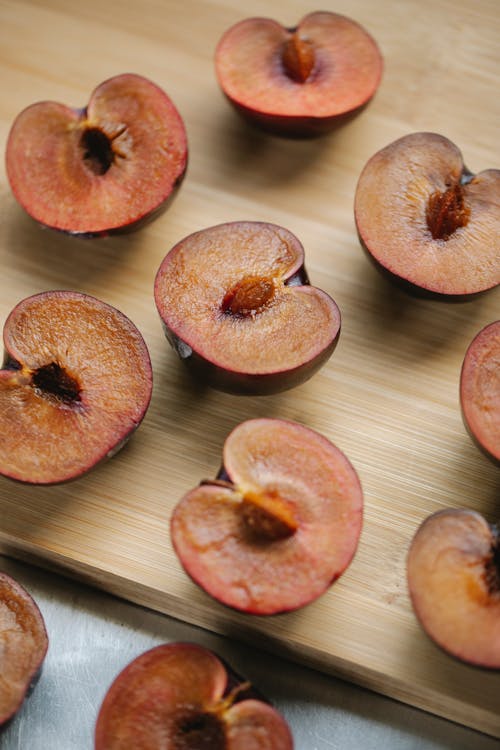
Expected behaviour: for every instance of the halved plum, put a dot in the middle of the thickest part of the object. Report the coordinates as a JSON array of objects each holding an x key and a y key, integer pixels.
[
  {"x": 480, "y": 390},
  {"x": 279, "y": 525},
  {"x": 178, "y": 696},
  {"x": 23, "y": 645},
  {"x": 237, "y": 306},
  {"x": 299, "y": 81},
  {"x": 75, "y": 383},
  {"x": 426, "y": 221},
  {"x": 453, "y": 571},
  {"x": 103, "y": 168}
]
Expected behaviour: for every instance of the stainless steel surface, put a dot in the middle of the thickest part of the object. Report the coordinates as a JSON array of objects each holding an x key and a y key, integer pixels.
[{"x": 93, "y": 636}]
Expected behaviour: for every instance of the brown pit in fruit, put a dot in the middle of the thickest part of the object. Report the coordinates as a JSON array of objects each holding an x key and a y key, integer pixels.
[
  {"x": 298, "y": 57},
  {"x": 236, "y": 304},
  {"x": 281, "y": 528},
  {"x": 75, "y": 384},
  {"x": 268, "y": 516},
  {"x": 23, "y": 645},
  {"x": 248, "y": 296},
  {"x": 182, "y": 697},
  {"x": 446, "y": 212}
]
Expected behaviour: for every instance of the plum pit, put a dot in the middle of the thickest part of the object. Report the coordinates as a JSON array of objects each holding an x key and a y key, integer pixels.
[
  {"x": 298, "y": 58},
  {"x": 97, "y": 149},
  {"x": 249, "y": 296},
  {"x": 267, "y": 516},
  {"x": 446, "y": 212},
  {"x": 53, "y": 382}
]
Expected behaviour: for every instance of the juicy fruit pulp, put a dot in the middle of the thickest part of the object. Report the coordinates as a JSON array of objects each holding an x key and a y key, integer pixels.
[
  {"x": 454, "y": 583},
  {"x": 426, "y": 220},
  {"x": 281, "y": 526},
  {"x": 76, "y": 381},
  {"x": 480, "y": 390},
  {"x": 23, "y": 645},
  {"x": 99, "y": 169},
  {"x": 237, "y": 306},
  {"x": 301, "y": 80},
  {"x": 178, "y": 696}
]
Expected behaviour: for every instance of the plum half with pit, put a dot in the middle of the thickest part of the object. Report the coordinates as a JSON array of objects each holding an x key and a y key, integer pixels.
[
  {"x": 23, "y": 645},
  {"x": 75, "y": 383},
  {"x": 181, "y": 696},
  {"x": 480, "y": 390},
  {"x": 104, "y": 168},
  {"x": 299, "y": 81},
  {"x": 453, "y": 570},
  {"x": 278, "y": 526},
  {"x": 426, "y": 221},
  {"x": 237, "y": 306}
]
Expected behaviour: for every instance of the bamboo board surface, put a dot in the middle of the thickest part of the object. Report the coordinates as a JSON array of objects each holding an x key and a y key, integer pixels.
[{"x": 389, "y": 395}]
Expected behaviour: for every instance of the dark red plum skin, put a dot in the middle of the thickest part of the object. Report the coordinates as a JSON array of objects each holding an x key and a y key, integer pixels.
[
  {"x": 239, "y": 383},
  {"x": 293, "y": 126},
  {"x": 413, "y": 289}
]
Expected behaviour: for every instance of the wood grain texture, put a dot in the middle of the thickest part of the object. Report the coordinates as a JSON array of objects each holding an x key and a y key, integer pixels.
[{"x": 389, "y": 395}]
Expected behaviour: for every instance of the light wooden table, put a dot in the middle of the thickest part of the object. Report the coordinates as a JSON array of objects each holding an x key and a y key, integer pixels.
[{"x": 389, "y": 395}]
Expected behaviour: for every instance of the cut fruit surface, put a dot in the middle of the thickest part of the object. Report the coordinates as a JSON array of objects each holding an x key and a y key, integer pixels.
[
  {"x": 298, "y": 80},
  {"x": 426, "y": 220},
  {"x": 236, "y": 304},
  {"x": 281, "y": 529},
  {"x": 480, "y": 390},
  {"x": 177, "y": 696},
  {"x": 75, "y": 383},
  {"x": 454, "y": 582},
  {"x": 103, "y": 168},
  {"x": 23, "y": 644}
]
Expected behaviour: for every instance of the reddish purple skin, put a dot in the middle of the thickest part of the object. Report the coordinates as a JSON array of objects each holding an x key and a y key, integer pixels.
[
  {"x": 294, "y": 126},
  {"x": 239, "y": 383},
  {"x": 414, "y": 289}
]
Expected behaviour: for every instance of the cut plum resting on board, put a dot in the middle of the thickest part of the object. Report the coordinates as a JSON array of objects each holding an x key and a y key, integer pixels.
[
  {"x": 279, "y": 525},
  {"x": 426, "y": 221},
  {"x": 300, "y": 81},
  {"x": 480, "y": 390},
  {"x": 75, "y": 383},
  {"x": 237, "y": 306},
  {"x": 181, "y": 696},
  {"x": 454, "y": 582},
  {"x": 105, "y": 168},
  {"x": 23, "y": 645}
]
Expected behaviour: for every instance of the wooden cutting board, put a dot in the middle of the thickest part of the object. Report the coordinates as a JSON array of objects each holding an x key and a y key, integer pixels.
[{"x": 389, "y": 395}]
